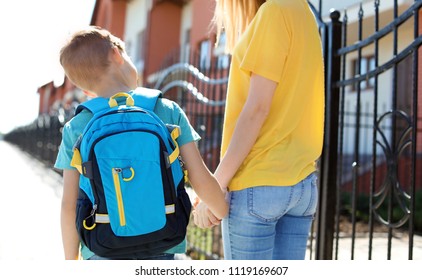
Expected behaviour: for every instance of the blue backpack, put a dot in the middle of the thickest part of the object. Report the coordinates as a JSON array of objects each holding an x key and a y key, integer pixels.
[{"x": 132, "y": 199}]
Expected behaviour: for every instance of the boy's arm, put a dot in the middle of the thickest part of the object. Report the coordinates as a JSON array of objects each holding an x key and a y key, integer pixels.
[
  {"x": 203, "y": 181},
  {"x": 70, "y": 237}
]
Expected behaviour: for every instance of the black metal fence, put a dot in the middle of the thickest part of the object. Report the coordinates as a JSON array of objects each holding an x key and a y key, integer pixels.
[
  {"x": 41, "y": 138},
  {"x": 376, "y": 189},
  {"x": 370, "y": 178}
]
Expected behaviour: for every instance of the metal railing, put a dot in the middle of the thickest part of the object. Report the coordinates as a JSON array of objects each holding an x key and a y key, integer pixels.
[{"x": 386, "y": 177}]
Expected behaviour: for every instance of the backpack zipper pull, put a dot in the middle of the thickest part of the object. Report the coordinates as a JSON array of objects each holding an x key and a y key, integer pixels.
[
  {"x": 117, "y": 170},
  {"x": 91, "y": 215},
  {"x": 94, "y": 209}
]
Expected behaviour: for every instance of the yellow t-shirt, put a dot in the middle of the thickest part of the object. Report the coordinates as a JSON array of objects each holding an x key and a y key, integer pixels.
[{"x": 282, "y": 44}]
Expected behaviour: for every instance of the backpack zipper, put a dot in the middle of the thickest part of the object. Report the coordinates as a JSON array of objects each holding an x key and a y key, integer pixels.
[{"x": 116, "y": 178}]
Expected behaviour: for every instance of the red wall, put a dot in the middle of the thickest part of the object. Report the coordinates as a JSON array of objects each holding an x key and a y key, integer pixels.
[
  {"x": 202, "y": 14},
  {"x": 163, "y": 34},
  {"x": 110, "y": 14}
]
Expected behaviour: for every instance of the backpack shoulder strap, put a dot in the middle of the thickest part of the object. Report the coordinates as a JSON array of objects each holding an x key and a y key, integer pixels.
[
  {"x": 146, "y": 98},
  {"x": 93, "y": 105}
]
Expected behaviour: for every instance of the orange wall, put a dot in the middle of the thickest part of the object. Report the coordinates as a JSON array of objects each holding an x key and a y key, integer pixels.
[
  {"x": 43, "y": 92},
  {"x": 49, "y": 94},
  {"x": 110, "y": 14},
  {"x": 202, "y": 14},
  {"x": 163, "y": 34}
]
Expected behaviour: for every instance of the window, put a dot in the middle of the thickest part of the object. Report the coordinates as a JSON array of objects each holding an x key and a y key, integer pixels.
[
  {"x": 223, "y": 59},
  {"x": 205, "y": 54},
  {"x": 367, "y": 64},
  {"x": 185, "y": 52},
  {"x": 139, "y": 52}
]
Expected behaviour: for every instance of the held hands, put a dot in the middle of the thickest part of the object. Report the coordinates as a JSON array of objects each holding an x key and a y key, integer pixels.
[{"x": 202, "y": 216}]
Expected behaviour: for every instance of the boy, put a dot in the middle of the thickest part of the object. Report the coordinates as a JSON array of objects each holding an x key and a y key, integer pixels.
[{"x": 96, "y": 61}]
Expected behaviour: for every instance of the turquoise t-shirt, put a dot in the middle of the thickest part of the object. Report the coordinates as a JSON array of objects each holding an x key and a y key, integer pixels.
[{"x": 168, "y": 111}]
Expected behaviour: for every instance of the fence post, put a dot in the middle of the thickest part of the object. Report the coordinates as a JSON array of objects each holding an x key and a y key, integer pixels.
[{"x": 328, "y": 163}]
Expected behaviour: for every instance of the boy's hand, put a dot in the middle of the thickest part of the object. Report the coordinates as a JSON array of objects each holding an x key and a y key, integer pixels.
[{"x": 203, "y": 217}]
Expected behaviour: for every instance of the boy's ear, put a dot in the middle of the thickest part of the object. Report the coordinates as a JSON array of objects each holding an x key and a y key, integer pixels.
[{"x": 117, "y": 56}]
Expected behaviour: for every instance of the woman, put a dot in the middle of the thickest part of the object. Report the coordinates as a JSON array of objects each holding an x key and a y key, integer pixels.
[{"x": 273, "y": 128}]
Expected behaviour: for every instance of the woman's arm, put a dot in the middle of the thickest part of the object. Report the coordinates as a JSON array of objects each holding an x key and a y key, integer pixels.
[
  {"x": 248, "y": 126},
  {"x": 70, "y": 237}
]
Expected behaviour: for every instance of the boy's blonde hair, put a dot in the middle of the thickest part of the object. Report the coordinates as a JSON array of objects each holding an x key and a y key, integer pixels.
[
  {"x": 233, "y": 16},
  {"x": 85, "y": 57}
]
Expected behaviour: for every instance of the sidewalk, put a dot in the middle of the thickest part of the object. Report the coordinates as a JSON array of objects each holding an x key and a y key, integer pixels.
[
  {"x": 399, "y": 247},
  {"x": 30, "y": 196}
]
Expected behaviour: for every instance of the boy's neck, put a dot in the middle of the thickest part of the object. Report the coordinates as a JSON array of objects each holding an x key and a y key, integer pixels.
[{"x": 110, "y": 91}]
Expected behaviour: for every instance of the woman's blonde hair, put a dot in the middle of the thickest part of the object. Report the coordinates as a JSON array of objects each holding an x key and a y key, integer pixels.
[
  {"x": 232, "y": 17},
  {"x": 85, "y": 57}
]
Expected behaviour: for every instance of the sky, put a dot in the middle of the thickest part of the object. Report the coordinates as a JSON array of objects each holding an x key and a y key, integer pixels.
[{"x": 32, "y": 33}]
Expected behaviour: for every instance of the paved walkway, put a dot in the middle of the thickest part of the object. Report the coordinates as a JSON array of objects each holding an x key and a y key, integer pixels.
[
  {"x": 29, "y": 207},
  {"x": 30, "y": 215},
  {"x": 399, "y": 245}
]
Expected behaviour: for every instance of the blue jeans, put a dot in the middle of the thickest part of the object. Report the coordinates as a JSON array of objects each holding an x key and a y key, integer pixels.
[
  {"x": 158, "y": 257},
  {"x": 270, "y": 222}
]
